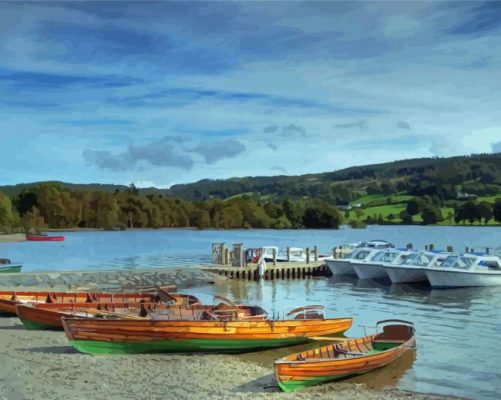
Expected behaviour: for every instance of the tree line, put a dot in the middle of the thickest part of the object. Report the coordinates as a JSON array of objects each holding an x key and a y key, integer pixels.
[{"x": 53, "y": 206}]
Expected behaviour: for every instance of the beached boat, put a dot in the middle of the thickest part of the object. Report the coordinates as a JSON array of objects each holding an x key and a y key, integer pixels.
[
  {"x": 119, "y": 336},
  {"x": 9, "y": 299},
  {"x": 372, "y": 267},
  {"x": 44, "y": 238},
  {"x": 48, "y": 316},
  {"x": 6, "y": 266},
  {"x": 466, "y": 270},
  {"x": 412, "y": 269},
  {"x": 341, "y": 360}
]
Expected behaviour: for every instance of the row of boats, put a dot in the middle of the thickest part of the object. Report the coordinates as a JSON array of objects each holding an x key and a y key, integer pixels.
[
  {"x": 108, "y": 323},
  {"x": 441, "y": 269}
]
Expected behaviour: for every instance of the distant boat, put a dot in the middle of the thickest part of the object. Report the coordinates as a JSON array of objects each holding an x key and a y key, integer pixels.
[
  {"x": 44, "y": 238},
  {"x": 7, "y": 267}
]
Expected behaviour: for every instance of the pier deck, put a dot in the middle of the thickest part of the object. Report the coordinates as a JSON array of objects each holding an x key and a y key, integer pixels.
[{"x": 282, "y": 270}]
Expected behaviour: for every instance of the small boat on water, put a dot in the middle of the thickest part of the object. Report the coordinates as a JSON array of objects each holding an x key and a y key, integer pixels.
[
  {"x": 412, "y": 269},
  {"x": 342, "y": 266},
  {"x": 9, "y": 299},
  {"x": 47, "y": 316},
  {"x": 466, "y": 270},
  {"x": 372, "y": 267},
  {"x": 296, "y": 254},
  {"x": 6, "y": 266},
  {"x": 44, "y": 238},
  {"x": 199, "y": 332},
  {"x": 341, "y": 360}
]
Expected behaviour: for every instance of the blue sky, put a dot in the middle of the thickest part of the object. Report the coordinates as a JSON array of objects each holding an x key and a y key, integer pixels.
[{"x": 159, "y": 93}]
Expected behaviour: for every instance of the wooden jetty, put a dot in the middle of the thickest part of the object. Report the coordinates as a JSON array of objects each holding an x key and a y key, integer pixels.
[{"x": 291, "y": 270}]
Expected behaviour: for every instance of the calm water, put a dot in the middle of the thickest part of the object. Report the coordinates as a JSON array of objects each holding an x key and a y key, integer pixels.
[{"x": 457, "y": 330}]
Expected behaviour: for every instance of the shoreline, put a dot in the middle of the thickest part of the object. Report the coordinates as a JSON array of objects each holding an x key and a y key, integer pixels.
[{"x": 33, "y": 358}]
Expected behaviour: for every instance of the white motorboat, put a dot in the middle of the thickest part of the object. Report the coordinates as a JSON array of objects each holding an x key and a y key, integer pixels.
[
  {"x": 296, "y": 254},
  {"x": 372, "y": 267},
  {"x": 465, "y": 270},
  {"x": 345, "y": 266},
  {"x": 412, "y": 268}
]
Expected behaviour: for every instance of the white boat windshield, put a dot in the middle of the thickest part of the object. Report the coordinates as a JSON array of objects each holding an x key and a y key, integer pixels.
[
  {"x": 460, "y": 262},
  {"x": 360, "y": 254},
  {"x": 387, "y": 256},
  {"x": 418, "y": 259}
]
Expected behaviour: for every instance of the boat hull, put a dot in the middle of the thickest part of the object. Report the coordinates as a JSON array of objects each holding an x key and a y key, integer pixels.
[
  {"x": 321, "y": 365},
  {"x": 100, "y": 336},
  {"x": 340, "y": 267},
  {"x": 369, "y": 271},
  {"x": 10, "y": 269},
  {"x": 36, "y": 238},
  {"x": 450, "y": 279},
  {"x": 405, "y": 274}
]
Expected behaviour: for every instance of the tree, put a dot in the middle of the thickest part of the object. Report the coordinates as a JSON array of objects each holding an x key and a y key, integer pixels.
[
  {"x": 496, "y": 210},
  {"x": 406, "y": 218},
  {"x": 431, "y": 215},
  {"x": 414, "y": 206},
  {"x": 485, "y": 211},
  {"x": 468, "y": 211},
  {"x": 6, "y": 213},
  {"x": 33, "y": 221}
]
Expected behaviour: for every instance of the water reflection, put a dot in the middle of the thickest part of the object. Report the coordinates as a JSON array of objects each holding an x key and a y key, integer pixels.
[{"x": 456, "y": 330}]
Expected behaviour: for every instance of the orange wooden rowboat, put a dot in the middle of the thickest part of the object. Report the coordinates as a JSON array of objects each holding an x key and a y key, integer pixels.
[
  {"x": 101, "y": 336},
  {"x": 352, "y": 357},
  {"x": 48, "y": 316},
  {"x": 9, "y": 299}
]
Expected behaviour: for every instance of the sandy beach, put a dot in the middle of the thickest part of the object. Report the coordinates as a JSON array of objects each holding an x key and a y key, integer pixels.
[
  {"x": 14, "y": 237},
  {"x": 41, "y": 365}
]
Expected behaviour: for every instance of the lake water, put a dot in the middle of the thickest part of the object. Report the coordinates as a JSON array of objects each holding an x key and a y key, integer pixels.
[{"x": 457, "y": 329}]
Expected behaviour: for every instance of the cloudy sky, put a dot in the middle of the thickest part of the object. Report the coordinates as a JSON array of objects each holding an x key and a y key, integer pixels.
[{"x": 174, "y": 92}]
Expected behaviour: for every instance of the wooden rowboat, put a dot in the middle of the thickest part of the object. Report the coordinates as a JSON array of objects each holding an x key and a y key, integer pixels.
[
  {"x": 120, "y": 336},
  {"x": 351, "y": 357},
  {"x": 9, "y": 299},
  {"x": 44, "y": 238},
  {"x": 48, "y": 316}
]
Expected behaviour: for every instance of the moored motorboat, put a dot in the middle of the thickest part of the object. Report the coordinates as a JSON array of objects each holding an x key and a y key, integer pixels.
[
  {"x": 341, "y": 360},
  {"x": 6, "y": 266},
  {"x": 412, "y": 268},
  {"x": 197, "y": 333},
  {"x": 372, "y": 267},
  {"x": 44, "y": 238},
  {"x": 466, "y": 270}
]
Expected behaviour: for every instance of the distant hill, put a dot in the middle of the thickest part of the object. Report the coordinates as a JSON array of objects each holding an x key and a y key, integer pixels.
[{"x": 445, "y": 177}]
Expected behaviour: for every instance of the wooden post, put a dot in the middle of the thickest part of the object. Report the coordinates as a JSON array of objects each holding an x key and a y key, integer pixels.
[
  {"x": 426, "y": 247},
  {"x": 307, "y": 255},
  {"x": 450, "y": 249},
  {"x": 409, "y": 246},
  {"x": 288, "y": 254},
  {"x": 334, "y": 250},
  {"x": 466, "y": 250},
  {"x": 487, "y": 250},
  {"x": 274, "y": 257},
  {"x": 226, "y": 256},
  {"x": 315, "y": 252},
  {"x": 431, "y": 247}
]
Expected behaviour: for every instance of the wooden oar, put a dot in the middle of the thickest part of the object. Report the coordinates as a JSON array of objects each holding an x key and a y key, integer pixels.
[
  {"x": 117, "y": 314},
  {"x": 330, "y": 339}
]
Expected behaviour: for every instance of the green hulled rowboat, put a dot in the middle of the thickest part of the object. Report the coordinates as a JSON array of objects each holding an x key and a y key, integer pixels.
[{"x": 8, "y": 269}]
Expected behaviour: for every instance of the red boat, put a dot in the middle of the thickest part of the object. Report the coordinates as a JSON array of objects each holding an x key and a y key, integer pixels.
[{"x": 44, "y": 238}]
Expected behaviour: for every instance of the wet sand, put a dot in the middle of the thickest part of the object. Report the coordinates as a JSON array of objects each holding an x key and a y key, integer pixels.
[{"x": 41, "y": 365}]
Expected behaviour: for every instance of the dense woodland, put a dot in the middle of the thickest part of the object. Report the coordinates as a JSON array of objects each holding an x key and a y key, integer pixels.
[
  {"x": 456, "y": 190},
  {"x": 49, "y": 205}
]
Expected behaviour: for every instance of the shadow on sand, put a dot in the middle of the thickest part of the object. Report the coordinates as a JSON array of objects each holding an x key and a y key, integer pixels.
[{"x": 51, "y": 350}]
